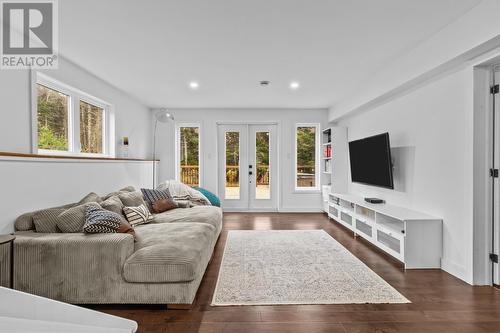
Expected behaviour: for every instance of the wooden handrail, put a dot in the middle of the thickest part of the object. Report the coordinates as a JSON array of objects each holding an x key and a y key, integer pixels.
[{"x": 73, "y": 157}]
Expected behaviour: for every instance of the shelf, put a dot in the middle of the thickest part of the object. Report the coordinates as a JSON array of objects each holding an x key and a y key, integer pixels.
[
  {"x": 327, "y": 143},
  {"x": 327, "y": 158}
]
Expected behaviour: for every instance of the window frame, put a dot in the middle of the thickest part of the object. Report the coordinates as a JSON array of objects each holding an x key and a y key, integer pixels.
[
  {"x": 177, "y": 140},
  {"x": 74, "y": 98},
  {"x": 317, "y": 174}
]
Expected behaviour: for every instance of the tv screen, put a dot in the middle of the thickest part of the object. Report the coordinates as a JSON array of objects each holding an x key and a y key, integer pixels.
[{"x": 371, "y": 161}]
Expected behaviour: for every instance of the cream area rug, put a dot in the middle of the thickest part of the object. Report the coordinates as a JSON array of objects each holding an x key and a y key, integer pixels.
[{"x": 272, "y": 267}]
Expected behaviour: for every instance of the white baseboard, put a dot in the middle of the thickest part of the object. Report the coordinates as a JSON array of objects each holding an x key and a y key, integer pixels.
[
  {"x": 281, "y": 210},
  {"x": 456, "y": 270},
  {"x": 301, "y": 210}
]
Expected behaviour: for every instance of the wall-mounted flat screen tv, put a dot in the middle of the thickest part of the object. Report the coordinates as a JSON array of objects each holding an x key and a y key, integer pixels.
[{"x": 371, "y": 162}]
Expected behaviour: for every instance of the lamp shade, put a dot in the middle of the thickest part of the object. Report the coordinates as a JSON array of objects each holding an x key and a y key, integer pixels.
[{"x": 163, "y": 116}]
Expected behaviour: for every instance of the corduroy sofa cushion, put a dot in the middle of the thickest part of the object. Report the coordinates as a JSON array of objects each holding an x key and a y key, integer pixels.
[
  {"x": 201, "y": 214},
  {"x": 169, "y": 252}
]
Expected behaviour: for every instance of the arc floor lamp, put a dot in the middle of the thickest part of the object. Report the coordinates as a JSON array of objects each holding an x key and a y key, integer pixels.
[{"x": 162, "y": 116}]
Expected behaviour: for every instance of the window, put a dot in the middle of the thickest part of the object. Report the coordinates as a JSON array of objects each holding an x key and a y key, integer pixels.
[
  {"x": 188, "y": 153},
  {"x": 306, "y": 157},
  {"x": 69, "y": 121}
]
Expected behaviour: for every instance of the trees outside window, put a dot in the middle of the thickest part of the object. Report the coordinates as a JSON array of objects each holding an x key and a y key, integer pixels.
[
  {"x": 69, "y": 121},
  {"x": 189, "y": 152},
  {"x": 52, "y": 118},
  {"x": 306, "y": 157}
]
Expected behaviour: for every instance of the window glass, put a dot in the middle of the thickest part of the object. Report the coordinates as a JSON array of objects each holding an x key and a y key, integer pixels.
[
  {"x": 306, "y": 157},
  {"x": 91, "y": 128},
  {"x": 232, "y": 166},
  {"x": 190, "y": 155},
  {"x": 52, "y": 111}
]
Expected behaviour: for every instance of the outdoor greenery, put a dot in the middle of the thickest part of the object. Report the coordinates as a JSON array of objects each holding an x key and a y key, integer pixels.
[
  {"x": 189, "y": 146},
  {"x": 306, "y": 156},
  {"x": 52, "y": 111},
  {"x": 52, "y": 119},
  {"x": 232, "y": 158},
  {"x": 91, "y": 121},
  {"x": 306, "y": 146},
  {"x": 262, "y": 157},
  {"x": 189, "y": 150}
]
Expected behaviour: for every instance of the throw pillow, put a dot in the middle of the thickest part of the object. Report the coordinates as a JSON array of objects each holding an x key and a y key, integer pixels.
[
  {"x": 113, "y": 204},
  {"x": 112, "y": 194},
  {"x": 91, "y": 197},
  {"x": 151, "y": 196},
  {"x": 46, "y": 220},
  {"x": 214, "y": 200},
  {"x": 73, "y": 219},
  {"x": 99, "y": 220},
  {"x": 131, "y": 199},
  {"x": 125, "y": 228},
  {"x": 163, "y": 205},
  {"x": 137, "y": 215}
]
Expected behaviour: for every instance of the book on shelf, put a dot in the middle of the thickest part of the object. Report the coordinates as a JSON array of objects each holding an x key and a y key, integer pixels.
[{"x": 328, "y": 151}]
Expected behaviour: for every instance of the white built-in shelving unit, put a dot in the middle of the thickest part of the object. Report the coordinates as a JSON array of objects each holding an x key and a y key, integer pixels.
[
  {"x": 412, "y": 237},
  {"x": 326, "y": 150}
]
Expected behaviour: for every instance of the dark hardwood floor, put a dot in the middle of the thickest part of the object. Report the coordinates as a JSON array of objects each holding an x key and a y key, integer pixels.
[{"x": 440, "y": 302}]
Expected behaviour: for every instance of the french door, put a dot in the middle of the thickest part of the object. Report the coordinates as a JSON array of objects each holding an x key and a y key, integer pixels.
[{"x": 247, "y": 161}]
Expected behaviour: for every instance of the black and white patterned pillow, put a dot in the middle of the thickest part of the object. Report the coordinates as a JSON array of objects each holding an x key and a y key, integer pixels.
[
  {"x": 137, "y": 215},
  {"x": 99, "y": 220},
  {"x": 151, "y": 196}
]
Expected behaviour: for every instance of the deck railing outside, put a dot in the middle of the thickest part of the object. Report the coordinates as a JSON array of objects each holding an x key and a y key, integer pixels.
[{"x": 190, "y": 175}]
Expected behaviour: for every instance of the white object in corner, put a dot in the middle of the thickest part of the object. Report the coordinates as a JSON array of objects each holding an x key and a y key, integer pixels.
[
  {"x": 23, "y": 312},
  {"x": 340, "y": 158},
  {"x": 325, "y": 191},
  {"x": 412, "y": 237}
]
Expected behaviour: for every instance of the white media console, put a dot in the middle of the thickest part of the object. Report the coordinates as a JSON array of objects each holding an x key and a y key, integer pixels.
[{"x": 412, "y": 237}]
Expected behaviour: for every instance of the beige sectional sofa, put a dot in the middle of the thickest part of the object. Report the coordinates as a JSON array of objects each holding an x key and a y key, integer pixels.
[{"x": 163, "y": 265}]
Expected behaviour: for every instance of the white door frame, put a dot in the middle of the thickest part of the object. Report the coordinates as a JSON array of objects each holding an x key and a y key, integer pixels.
[
  {"x": 495, "y": 225},
  {"x": 279, "y": 175}
]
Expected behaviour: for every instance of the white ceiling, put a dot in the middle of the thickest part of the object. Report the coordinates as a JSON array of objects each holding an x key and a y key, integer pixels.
[{"x": 152, "y": 49}]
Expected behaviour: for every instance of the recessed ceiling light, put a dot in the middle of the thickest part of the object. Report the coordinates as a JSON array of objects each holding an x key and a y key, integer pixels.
[
  {"x": 294, "y": 85},
  {"x": 194, "y": 85}
]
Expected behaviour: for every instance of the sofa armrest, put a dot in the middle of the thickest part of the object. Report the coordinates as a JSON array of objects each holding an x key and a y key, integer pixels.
[{"x": 67, "y": 263}]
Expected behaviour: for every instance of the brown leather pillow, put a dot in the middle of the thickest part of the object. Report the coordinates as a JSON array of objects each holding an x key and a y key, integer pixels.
[
  {"x": 125, "y": 228},
  {"x": 163, "y": 205}
]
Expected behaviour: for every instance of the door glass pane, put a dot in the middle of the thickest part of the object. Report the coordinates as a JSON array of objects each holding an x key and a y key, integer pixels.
[
  {"x": 306, "y": 157},
  {"x": 91, "y": 128},
  {"x": 52, "y": 110},
  {"x": 190, "y": 155},
  {"x": 232, "y": 166},
  {"x": 262, "y": 190}
]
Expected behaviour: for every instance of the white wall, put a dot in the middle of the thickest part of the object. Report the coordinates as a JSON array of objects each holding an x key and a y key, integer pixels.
[
  {"x": 29, "y": 184},
  {"x": 431, "y": 133},
  {"x": 290, "y": 201},
  {"x": 469, "y": 36},
  {"x": 133, "y": 119}
]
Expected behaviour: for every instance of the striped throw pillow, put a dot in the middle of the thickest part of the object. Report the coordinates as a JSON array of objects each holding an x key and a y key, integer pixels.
[
  {"x": 151, "y": 196},
  {"x": 137, "y": 215},
  {"x": 99, "y": 220}
]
